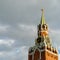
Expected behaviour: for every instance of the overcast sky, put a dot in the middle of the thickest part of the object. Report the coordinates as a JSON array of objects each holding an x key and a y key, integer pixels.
[{"x": 18, "y": 26}]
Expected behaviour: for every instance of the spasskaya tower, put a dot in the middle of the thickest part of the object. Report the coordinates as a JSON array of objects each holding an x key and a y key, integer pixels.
[{"x": 43, "y": 49}]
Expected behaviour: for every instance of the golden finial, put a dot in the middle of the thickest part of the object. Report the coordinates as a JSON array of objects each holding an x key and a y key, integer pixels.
[
  {"x": 42, "y": 10},
  {"x": 42, "y": 17}
]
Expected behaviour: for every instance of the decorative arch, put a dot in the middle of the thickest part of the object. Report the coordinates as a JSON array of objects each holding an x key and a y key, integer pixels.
[{"x": 37, "y": 55}]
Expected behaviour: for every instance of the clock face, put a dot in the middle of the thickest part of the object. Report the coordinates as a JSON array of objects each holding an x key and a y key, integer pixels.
[{"x": 39, "y": 40}]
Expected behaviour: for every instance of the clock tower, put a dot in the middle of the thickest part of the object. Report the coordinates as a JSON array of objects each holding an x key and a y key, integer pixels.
[{"x": 43, "y": 49}]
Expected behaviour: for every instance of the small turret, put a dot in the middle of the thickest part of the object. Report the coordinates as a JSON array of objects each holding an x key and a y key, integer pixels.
[{"x": 42, "y": 27}]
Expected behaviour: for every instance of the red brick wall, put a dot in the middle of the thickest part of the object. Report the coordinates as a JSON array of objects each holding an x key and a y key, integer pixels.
[
  {"x": 45, "y": 55},
  {"x": 50, "y": 56},
  {"x": 29, "y": 57},
  {"x": 36, "y": 55}
]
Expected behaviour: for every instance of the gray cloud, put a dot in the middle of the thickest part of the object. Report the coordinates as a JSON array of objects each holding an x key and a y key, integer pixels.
[{"x": 20, "y": 18}]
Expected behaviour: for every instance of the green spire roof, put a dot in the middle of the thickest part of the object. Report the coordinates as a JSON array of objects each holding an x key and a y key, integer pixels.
[{"x": 42, "y": 17}]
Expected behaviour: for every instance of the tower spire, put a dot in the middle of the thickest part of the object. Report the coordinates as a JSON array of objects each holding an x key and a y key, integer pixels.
[{"x": 42, "y": 17}]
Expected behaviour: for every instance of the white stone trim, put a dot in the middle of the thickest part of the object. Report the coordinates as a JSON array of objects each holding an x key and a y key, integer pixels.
[
  {"x": 40, "y": 55},
  {"x": 42, "y": 51},
  {"x": 34, "y": 52}
]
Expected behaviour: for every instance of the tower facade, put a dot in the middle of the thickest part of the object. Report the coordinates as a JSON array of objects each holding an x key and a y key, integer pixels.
[{"x": 43, "y": 49}]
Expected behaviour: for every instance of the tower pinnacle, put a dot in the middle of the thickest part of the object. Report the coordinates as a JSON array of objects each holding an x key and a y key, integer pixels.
[{"x": 42, "y": 17}]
